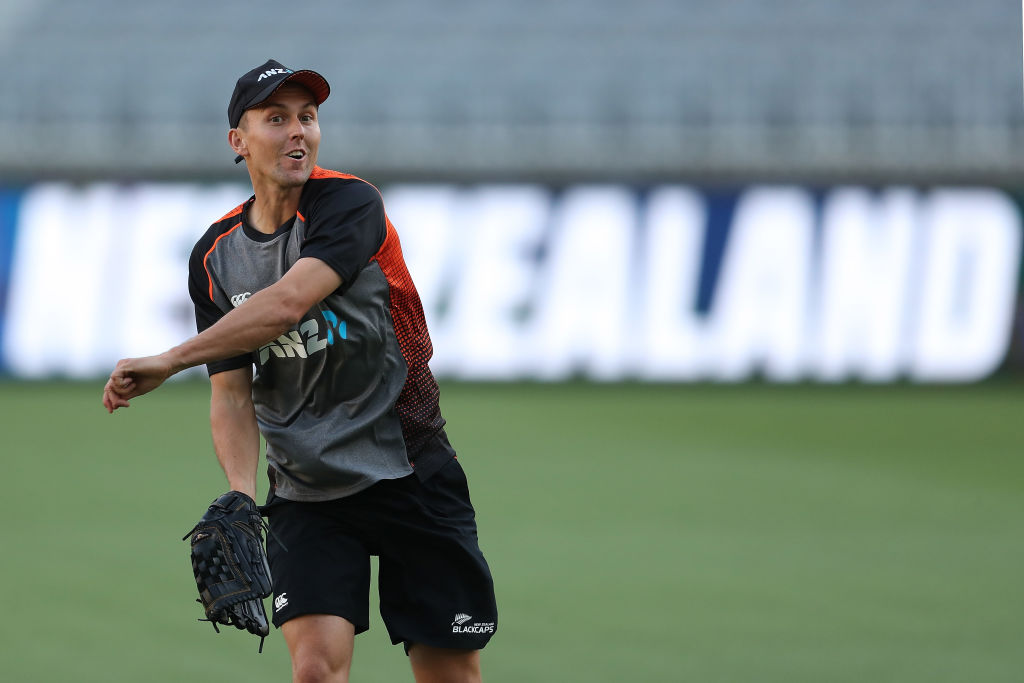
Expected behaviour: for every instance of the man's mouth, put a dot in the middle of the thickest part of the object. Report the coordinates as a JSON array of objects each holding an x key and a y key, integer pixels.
[{"x": 297, "y": 154}]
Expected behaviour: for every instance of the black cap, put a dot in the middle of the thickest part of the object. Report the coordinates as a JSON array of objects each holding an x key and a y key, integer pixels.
[{"x": 259, "y": 84}]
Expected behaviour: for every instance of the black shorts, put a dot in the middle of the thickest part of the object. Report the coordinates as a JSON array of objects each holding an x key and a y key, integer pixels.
[{"x": 435, "y": 586}]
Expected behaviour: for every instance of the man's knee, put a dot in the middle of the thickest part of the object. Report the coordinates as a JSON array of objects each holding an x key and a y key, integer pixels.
[
  {"x": 320, "y": 647},
  {"x": 430, "y": 664},
  {"x": 317, "y": 670}
]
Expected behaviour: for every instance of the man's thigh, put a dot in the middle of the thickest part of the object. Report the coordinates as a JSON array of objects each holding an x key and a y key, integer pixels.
[
  {"x": 319, "y": 567},
  {"x": 435, "y": 586}
]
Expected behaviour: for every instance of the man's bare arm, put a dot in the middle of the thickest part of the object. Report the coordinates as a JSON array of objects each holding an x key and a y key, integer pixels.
[
  {"x": 266, "y": 315},
  {"x": 236, "y": 437}
]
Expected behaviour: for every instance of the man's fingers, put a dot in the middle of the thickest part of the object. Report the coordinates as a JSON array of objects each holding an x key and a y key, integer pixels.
[
  {"x": 119, "y": 403},
  {"x": 120, "y": 385},
  {"x": 113, "y": 397}
]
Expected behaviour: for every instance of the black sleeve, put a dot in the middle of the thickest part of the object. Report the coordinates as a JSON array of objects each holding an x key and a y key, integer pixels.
[
  {"x": 346, "y": 228},
  {"x": 207, "y": 312}
]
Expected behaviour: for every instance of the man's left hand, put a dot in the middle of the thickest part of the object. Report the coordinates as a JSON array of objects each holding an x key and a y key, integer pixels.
[{"x": 134, "y": 377}]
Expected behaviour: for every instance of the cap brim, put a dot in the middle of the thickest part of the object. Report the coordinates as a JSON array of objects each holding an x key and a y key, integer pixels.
[
  {"x": 316, "y": 84},
  {"x": 311, "y": 80}
]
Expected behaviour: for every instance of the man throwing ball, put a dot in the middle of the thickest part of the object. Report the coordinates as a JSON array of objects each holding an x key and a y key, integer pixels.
[{"x": 306, "y": 282}]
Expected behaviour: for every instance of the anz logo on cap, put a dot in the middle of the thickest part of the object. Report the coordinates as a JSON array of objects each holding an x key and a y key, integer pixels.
[{"x": 271, "y": 72}]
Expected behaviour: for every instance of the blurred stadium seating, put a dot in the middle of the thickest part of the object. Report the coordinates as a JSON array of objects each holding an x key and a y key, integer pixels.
[
  {"x": 675, "y": 193},
  {"x": 921, "y": 90},
  {"x": 893, "y": 99}
]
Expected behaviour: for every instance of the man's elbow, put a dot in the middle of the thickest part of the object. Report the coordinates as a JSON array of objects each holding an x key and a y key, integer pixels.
[
  {"x": 282, "y": 318},
  {"x": 283, "y": 305},
  {"x": 289, "y": 310}
]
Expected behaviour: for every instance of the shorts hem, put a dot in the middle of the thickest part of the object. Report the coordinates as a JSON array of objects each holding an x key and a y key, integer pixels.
[
  {"x": 360, "y": 628},
  {"x": 406, "y": 644}
]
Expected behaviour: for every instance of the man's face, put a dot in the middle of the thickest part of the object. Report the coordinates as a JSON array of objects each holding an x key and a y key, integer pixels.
[{"x": 281, "y": 137}]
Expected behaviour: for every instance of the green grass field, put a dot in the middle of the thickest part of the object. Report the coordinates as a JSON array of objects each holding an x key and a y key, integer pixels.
[{"x": 636, "y": 533}]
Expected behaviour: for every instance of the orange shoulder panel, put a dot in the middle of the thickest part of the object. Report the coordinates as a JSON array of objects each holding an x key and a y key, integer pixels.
[
  {"x": 233, "y": 212},
  {"x": 319, "y": 173}
]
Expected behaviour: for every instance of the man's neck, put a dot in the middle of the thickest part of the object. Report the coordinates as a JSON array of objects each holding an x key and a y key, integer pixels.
[{"x": 272, "y": 207}]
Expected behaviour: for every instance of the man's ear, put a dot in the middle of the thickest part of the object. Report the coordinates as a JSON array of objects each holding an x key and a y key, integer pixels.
[{"x": 237, "y": 143}]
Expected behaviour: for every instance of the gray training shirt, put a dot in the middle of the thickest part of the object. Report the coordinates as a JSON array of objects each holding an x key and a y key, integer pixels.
[{"x": 345, "y": 398}]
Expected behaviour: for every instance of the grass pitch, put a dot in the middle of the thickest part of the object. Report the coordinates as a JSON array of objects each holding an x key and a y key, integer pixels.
[{"x": 636, "y": 533}]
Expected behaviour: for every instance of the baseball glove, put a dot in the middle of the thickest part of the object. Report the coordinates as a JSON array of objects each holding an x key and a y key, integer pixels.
[{"x": 230, "y": 564}]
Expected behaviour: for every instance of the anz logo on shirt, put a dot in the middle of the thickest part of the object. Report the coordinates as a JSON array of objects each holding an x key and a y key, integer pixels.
[{"x": 305, "y": 341}]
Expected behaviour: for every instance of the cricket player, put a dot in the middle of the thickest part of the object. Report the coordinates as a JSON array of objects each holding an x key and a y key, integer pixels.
[{"x": 306, "y": 283}]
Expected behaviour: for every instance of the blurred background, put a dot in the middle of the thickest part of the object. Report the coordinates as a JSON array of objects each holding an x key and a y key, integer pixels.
[{"x": 726, "y": 300}]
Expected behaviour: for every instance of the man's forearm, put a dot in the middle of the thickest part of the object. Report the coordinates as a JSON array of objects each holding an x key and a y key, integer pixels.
[
  {"x": 266, "y": 315},
  {"x": 263, "y": 317},
  {"x": 236, "y": 441}
]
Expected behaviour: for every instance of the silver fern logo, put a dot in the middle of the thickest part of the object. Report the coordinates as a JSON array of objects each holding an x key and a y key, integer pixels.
[{"x": 462, "y": 625}]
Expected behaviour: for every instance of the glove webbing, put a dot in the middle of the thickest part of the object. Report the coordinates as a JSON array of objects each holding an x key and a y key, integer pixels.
[{"x": 214, "y": 624}]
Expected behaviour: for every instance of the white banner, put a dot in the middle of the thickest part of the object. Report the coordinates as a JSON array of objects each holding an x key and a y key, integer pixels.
[{"x": 520, "y": 282}]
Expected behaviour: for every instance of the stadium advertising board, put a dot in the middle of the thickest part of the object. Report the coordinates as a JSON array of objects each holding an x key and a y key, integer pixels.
[{"x": 670, "y": 283}]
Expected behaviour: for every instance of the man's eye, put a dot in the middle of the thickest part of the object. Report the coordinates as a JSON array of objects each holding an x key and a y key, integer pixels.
[{"x": 275, "y": 119}]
